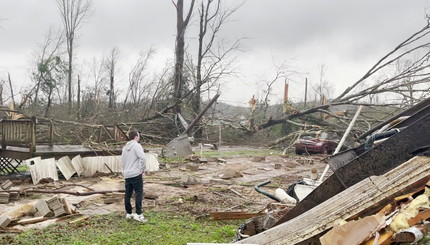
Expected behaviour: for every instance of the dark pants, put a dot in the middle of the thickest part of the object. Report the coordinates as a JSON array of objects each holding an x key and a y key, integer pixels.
[{"x": 134, "y": 184}]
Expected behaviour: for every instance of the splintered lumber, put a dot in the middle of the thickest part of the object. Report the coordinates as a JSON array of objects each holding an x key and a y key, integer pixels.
[
  {"x": 424, "y": 215},
  {"x": 232, "y": 215},
  {"x": 31, "y": 220},
  {"x": 370, "y": 191},
  {"x": 385, "y": 238},
  {"x": 354, "y": 232},
  {"x": 78, "y": 220}
]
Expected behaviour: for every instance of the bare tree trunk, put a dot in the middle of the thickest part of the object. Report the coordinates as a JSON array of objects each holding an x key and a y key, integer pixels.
[
  {"x": 73, "y": 14},
  {"x": 69, "y": 73},
  {"x": 48, "y": 105},
  {"x": 1, "y": 94},
  {"x": 112, "y": 92},
  {"x": 79, "y": 98},
  {"x": 181, "y": 26},
  {"x": 112, "y": 69},
  {"x": 11, "y": 89}
]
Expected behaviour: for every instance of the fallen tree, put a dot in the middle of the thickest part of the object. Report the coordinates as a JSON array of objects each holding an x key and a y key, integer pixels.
[{"x": 410, "y": 81}]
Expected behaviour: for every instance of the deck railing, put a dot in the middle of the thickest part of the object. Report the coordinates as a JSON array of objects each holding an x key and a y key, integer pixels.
[{"x": 22, "y": 133}]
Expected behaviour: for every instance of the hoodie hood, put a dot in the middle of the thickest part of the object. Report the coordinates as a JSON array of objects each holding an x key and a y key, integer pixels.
[{"x": 130, "y": 145}]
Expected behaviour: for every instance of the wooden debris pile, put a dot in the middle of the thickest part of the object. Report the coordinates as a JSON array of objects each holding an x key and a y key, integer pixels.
[
  {"x": 386, "y": 209},
  {"x": 11, "y": 195},
  {"x": 37, "y": 211},
  {"x": 403, "y": 220}
]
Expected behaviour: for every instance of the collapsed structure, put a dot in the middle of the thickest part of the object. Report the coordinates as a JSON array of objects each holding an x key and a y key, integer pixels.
[{"x": 387, "y": 160}]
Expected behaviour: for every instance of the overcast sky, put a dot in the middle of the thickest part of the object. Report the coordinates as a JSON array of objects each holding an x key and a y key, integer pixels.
[{"x": 347, "y": 37}]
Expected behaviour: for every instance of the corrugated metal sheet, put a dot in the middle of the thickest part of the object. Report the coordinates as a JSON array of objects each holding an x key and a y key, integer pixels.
[
  {"x": 32, "y": 164},
  {"x": 87, "y": 166},
  {"x": 66, "y": 167},
  {"x": 49, "y": 169},
  {"x": 97, "y": 164},
  {"x": 152, "y": 163},
  {"x": 40, "y": 169},
  {"x": 77, "y": 164}
]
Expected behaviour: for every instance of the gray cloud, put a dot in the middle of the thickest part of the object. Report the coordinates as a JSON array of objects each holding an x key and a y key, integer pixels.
[{"x": 347, "y": 36}]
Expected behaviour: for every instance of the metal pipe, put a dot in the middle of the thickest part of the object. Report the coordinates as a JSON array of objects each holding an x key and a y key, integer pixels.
[
  {"x": 339, "y": 146},
  {"x": 257, "y": 188},
  {"x": 372, "y": 138}
]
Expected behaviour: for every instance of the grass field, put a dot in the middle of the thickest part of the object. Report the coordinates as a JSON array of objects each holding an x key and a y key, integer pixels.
[{"x": 162, "y": 228}]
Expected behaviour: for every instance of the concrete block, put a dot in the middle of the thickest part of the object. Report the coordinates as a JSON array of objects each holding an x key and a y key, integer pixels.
[
  {"x": 59, "y": 211},
  {"x": 42, "y": 208},
  {"x": 4, "y": 221},
  {"x": 6, "y": 185},
  {"x": 13, "y": 196},
  {"x": 70, "y": 209},
  {"x": 4, "y": 197}
]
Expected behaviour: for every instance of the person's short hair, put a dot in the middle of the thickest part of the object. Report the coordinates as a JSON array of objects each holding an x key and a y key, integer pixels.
[{"x": 132, "y": 134}]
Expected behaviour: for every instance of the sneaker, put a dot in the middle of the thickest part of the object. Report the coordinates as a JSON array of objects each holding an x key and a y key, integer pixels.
[
  {"x": 140, "y": 218},
  {"x": 130, "y": 216}
]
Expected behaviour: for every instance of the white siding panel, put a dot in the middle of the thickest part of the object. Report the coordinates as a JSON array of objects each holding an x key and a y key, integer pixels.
[{"x": 66, "y": 167}]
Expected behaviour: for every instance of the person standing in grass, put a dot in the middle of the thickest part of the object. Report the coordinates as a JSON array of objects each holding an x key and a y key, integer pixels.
[{"x": 133, "y": 169}]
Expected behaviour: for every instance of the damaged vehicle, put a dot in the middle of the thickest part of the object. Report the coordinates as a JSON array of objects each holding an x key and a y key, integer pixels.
[{"x": 322, "y": 143}]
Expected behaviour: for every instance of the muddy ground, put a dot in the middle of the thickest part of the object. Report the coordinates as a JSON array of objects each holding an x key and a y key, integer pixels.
[{"x": 214, "y": 187}]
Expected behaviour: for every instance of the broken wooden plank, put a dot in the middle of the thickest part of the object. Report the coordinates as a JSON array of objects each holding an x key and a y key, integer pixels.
[
  {"x": 424, "y": 215},
  {"x": 237, "y": 193},
  {"x": 354, "y": 232},
  {"x": 31, "y": 220},
  {"x": 78, "y": 220},
  {"x": 366, "y": 193},
  {"x": 232, "y": 215},
  {"x": 385, "y": 238}
]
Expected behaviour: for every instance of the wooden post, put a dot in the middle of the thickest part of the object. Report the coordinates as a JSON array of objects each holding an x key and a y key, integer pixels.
[
  {"x": 3, "y": 136},
  {"x": 33, "y": 134},
  {"x": 51, "y": 134}
]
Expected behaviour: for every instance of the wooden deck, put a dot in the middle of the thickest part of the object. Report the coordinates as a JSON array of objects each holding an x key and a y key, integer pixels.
[
  {"x": 54, "y": 151},
  {"x": 20, "y": 141}
]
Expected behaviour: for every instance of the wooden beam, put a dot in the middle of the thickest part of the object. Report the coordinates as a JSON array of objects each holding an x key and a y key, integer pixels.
[{"x": 232, "y": 215}]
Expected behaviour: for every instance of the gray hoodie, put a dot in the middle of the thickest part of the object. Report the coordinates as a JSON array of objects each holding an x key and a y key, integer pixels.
[{"x": 133, "y": 159}]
